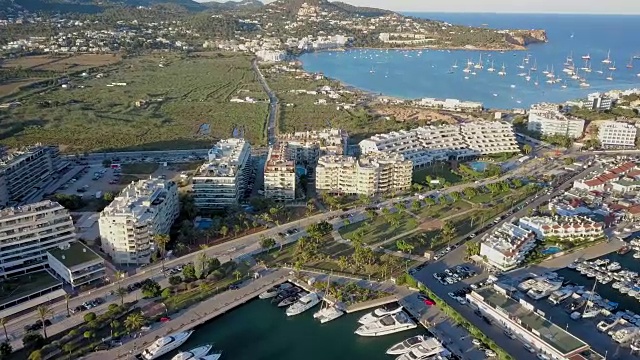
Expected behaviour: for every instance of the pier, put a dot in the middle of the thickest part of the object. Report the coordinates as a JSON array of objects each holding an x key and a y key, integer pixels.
[{"x": 195, "y": 316}]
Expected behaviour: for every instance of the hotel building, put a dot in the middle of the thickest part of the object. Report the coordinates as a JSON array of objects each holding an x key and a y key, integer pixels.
[
  {"x": 506, "y": 247},
  {"x": 28, "y": 232},
  {"x": 141, "y": 210},
  {"x": 562, "y": 226},
  {"x": 222, "y": 180},
  {"x": 427, "y": 144},
  {"x": 547, "y": 120},
  {"x": 369, "y": 175},
  {"x": 305, "y": 147},
  {"x": 617, "y": 135},
  {"x": 23, "y": 171},
  {"x": 522, "y": 319},
  {"x": 279, "y": 175}
]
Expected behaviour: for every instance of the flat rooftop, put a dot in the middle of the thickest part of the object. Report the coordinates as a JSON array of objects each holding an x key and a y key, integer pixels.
[
  {"x": 75, "y": 255},
  {"x": 548, "y": 332},
  {"x": 18, "y": 287}
]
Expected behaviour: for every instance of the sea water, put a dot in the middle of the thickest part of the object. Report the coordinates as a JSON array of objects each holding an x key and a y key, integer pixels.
[
  {"x": 425, "y": 73},
  {"x": 260, "y": 330}
]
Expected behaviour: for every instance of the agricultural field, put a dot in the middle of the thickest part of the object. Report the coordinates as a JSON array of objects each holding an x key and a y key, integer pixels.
[
  {"x": 149, "y": 102},
  {"x": 62, "y": 63},
  {"x": 12, "y": 87}
]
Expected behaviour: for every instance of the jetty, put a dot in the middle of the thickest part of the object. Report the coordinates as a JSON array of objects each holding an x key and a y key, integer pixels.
[{"x": 195, "y": 316}]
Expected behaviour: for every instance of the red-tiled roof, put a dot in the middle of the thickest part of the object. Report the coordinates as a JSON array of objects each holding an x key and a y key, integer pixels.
[
  {"x": 593, "y": 182},
  {"x": 634, "y": 210},
  {"x": 623, "y": 168}
]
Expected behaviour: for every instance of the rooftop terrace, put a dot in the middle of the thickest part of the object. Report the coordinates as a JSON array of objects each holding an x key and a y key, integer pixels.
[
  {"x": 75, "y": 255},
  {"x": 547, "y": 331}
]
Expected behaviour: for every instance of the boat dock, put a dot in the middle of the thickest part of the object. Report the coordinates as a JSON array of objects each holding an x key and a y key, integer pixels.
[
  {"x": 371, "y": 304},
  {"x": 195, "y": 316}
]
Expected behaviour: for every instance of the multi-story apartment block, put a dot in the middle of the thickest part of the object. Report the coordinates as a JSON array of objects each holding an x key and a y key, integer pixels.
[
  {"x": 141, "y": 210},
  {"x": 76, "y": 264},
  {"x": 28, "y": 232},
  {"x": 506, "y": 247},
  {"x": 619, "y": 135},
  {"x": 547, "y": 120},
  {"x": 279, "y": 175},
  {"x": 222, "y": 180},
  {"x": 562, "y": 226},
  {"x": 305, "y": 147},
  {"x": 370, "y": 175},
  {"x": 598, "y": 102},
  {"x": 23, "y": 171},
  {"x": 427, "y": 144}
]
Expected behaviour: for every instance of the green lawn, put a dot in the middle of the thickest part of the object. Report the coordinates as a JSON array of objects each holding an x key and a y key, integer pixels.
[
  {"x": 488, "y": 197},
  {"x": 127, "y": 179},
  {"x": 187, "y": 94},
  {"x": 378, "y": 230},
  {"x": 435, "y": 171},
  {"x": 443, "y": 210},
  {"x": 140, "y": 168}
]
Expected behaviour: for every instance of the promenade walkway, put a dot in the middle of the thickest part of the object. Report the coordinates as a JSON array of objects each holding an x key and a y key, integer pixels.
[{"x": 194, "y": 316}]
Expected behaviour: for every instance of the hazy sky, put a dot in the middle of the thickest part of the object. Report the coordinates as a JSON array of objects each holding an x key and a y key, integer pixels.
[{"x": 517, "y": 6}]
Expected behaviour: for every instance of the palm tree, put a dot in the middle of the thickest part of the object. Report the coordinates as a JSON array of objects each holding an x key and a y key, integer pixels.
[
  {"x": 527, "y": 149},
  {"x": 134, "y": 322},
  {"x": 121, "y": 292},
  {"x": 161, "y": 240},
  {"x": 237, "y": 274},
  {"x": 43, "y": 313},
  {"x": 67, "y": 297},
  {"x": 3, "y": 322}
]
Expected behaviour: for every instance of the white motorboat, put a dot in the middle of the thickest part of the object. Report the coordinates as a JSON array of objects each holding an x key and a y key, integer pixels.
[
  {"x": 165, "y": 344},
  {"x": 193, "y": 353},
  {"x": 272, "y": 292},
  {"x": 388, "y": 324},
  {"x": 215, "y": 356},
  {"x": 624, "y": 289},
  {"x": 327, "y": 314},
  {"x": 291, "y": 299},
  {"x": 303, "y": 304},
  {"x": 616, "y": 285},
  {"x": 378, "y": 313},
  {"x": 428, "y": 349},
  {"x": 614, "y": 266},
  {"x": 636, "y": 255},
  {"x": 405, "y": 346}
]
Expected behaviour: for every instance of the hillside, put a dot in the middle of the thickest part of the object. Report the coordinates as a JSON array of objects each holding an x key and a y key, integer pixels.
[
  {"x": 245, "y": 5},
  {"x": 292, "y": 7},
  {"x": 92, "y": 6}
]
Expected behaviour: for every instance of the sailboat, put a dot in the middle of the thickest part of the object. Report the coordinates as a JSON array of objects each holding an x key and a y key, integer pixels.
[
  {"x": 569, "y": 60},
  {"x": 586, "y": 65},
  {"x": 455, "y": 64},
  {"x": 491, "y": 68},
  {"x": 528, "y": 77},
  {"x": 467, "y": 69},
  {"x": 546, "y": 71},
  {"x": 328, "y": 312},
  {"x": 521, "y": 66},
  {"x": 450, "y": 71},
  {"x": 478, "y": 65},
  {"x": 372, "y": 71},
  {"x": 502, "y": 71},
  {"x": 630, "y": 64},
  {"x": 535, "y": 65},
  {"x": 608, "y": 59},
  {"x": 536, "y": 83},
  {"x": 469, "y": 63},
  {"x": 610, "y": 77},
  {"x": 601, "y": 71},
  {"x": 613, "y": 66},
  {"x": 588, "y": 69},
  {"x": 586, "y": 57},
  {"x": 550, "y": 74},
  {"x": 564, "y": 85}
]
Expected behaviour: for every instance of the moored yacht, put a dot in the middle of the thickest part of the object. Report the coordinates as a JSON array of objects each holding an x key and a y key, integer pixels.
[
  {"x": 614, "y": 266},
  {"x": 274, "y": 291},
  {"x": 327, "y": 314},
  {"x": 193, "y": 353},
  {"x": 165, "y": 344},
  {"x": 428, "y": 349},
  {"x": 291, "y": 299},
  {"x": 406, "y": 345},
  {"x": 216, "y": 356},
  {"x": 303, "y": 304},
  {"x": 388, "y": 324},
  {"x": 380, "y": 312}
]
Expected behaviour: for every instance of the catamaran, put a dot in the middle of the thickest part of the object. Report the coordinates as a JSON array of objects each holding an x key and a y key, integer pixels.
[{"x": 328, "y": 312}]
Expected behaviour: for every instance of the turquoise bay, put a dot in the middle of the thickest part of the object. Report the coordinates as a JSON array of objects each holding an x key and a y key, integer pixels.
[{"x": 426, "y": 73}]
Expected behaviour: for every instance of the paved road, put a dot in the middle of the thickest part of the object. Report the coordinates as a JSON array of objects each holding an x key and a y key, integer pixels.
[{"x": 273, "y": 104}]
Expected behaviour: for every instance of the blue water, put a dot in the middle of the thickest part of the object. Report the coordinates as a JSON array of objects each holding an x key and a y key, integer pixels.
[
  {"x": 406, "y": 74},
  {"x": 551, "y": 250},
  {"x": 478, "y": 166}
]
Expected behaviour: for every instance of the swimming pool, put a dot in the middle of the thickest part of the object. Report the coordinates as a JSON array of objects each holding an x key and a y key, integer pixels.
[
  {"x": 551, "y": 250},
  {"x": 478, "y": 166}
]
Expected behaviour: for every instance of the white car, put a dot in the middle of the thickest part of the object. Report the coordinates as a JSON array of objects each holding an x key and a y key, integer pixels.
[
  {"x": 529, "y": 348},
  {"x": 490, "y": 353},
  {"x": 462, "y": 301},
  {"x": 476, "y": 342},
  {"x": 542, "y": 356},
  {"x": 452, "y": 295}
]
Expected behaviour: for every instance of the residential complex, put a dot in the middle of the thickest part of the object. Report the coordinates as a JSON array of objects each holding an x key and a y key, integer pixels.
[
  {"x": 521, "y": 318},
  {"x": 427, "y": 144},
  {"x": 598, "y": 102},
  {"x": 76, "y": 264},
  {"x": 141, "y": 210},
  {"x": 562, "y": 226},
  {"x": 450, "y": 104},
  {"x": 271, "y": 55},
  {"x": 221, "y": 181},
  {"x": 23, "y": 171},
  {"x": 279, "y": 175},
  {"x": 547, "y": 120},
  {"x": 600, "y": 182},
  {"x": 369, "y": 175},
  {"x": 617, "y": 135},
  {"x": 28, "y": 232},
  {"x": 506, "y": 246},
  {"x": 305, "y": 147}
]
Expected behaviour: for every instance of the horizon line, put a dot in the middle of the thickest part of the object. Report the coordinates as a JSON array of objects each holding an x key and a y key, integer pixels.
[{"x": 514, "y": 12}]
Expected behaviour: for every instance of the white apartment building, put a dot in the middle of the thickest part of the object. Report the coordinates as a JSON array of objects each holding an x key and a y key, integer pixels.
[
  {"x": 222, "y": 180},
  {"x": 549, "y": 121},
  {"x": 279, "y": 175},
  {"x": 28, "y": 232},
  {"x": 23, "y": 171},
  {"x": 369, "y": 175},
  {"x": 562, "y": 226},
  {"x": 450, "y": 104},
  {"x": 271, "y": 55},
  {"x": 613, "y": 134},
  {"x": 506, "y": 247},
  {"x": 598, "y": 102},
  {"x": 141, "y": 210},
  {"x": 305, "y": 147},
  {"x": 76, "y": 264},
  {"x": 427, "y": 144}
]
